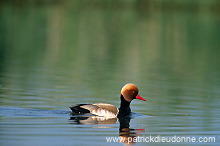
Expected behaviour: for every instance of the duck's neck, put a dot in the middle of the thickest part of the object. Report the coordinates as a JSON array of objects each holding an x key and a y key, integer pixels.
[
  {"x": 124, "y": 109},
  {"x": 124, "y": 103}
]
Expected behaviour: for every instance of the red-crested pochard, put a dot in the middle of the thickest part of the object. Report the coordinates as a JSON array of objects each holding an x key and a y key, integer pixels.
[{"x": 128, "y": 93}]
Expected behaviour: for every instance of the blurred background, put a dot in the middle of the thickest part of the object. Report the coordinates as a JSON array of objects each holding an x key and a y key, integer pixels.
[{"x": 57, "y": 53}]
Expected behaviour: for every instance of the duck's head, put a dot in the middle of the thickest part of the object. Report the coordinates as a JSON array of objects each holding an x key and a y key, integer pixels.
[{"x": 130, "y": 92}]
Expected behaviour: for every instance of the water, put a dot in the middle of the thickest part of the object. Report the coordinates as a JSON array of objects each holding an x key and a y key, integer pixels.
[{"x": 55, "y": 55}]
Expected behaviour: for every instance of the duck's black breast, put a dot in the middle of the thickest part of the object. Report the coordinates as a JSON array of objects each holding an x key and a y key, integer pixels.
[{"x": 124, "y": 111}]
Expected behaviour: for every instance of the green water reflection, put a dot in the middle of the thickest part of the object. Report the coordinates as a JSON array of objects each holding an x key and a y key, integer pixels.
[
  {"x": 100, "y": 43},
  {"x": 127, "y": 41}
]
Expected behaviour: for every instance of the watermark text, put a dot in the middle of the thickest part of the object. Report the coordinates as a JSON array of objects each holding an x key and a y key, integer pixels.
[{"x": 163, "y": 139}]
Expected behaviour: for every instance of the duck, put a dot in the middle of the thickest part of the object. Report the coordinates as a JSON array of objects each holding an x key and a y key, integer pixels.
[{"x": 129, "y": 92}]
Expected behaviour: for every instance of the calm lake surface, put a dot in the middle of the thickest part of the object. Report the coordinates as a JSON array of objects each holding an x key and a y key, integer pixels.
[{"x": 57, "y": 54}]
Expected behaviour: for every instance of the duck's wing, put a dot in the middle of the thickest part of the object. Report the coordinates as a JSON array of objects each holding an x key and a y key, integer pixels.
[
  {"x": 108, "y": 107},
  {"x": 99, "y": 109}
]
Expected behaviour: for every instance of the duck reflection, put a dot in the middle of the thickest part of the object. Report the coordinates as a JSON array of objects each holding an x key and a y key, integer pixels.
[
  {"x": 126, "y": 134},
  {"x": 93, "y": 120}
]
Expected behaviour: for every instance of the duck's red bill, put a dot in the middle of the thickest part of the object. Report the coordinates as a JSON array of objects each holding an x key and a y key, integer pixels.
[{"x": 139, "y": 97}]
